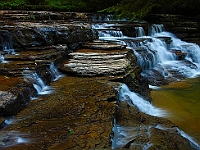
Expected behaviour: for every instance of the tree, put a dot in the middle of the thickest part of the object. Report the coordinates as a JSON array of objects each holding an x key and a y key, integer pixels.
[{"x": 137, "y": 9}]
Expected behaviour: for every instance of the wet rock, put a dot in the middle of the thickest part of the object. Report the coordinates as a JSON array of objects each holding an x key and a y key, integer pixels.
[
  {"x": 28, "y": 34},
  {"x": 180, "y": 55},
  {"x": 14, "y": 95},
  {"x": 42, "y": 15},
  {"x": 88, "y": 62},
  {"x": 75, "y": 117},
  {"x": 144, "y": 131},
  {"x": 103, "y": 45}
]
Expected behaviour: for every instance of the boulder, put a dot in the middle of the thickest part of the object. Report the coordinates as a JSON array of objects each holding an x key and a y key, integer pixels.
[{"x": 15, "y": 93}]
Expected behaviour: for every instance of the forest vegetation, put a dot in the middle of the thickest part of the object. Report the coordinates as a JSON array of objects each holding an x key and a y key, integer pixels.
[{"x": 133, "y": 9}]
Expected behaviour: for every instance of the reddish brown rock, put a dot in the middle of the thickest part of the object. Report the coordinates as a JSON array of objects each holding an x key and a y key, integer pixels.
[{"x": 75, "y": 117}]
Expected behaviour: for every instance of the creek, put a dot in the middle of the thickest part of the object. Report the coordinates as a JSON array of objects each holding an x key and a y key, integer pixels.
[
  {"x": 182, "y": 102},
  {"x": 164, "y": 59}
]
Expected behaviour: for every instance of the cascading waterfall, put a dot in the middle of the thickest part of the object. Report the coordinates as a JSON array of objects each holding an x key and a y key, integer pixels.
[
  {"x": 54, "y": 72},
  {"x": 155, "y": 28},
  {"x": 143, "y": 105},
  {"x": 157, "y": 51},
  {"x": 123, "y": 135},
  {"x": 7, "y": 48},
  {"x": 140, "y": 32},
  {"x": 39, "y": 84}
]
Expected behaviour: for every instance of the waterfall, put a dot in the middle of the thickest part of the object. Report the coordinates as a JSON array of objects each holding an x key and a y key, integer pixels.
[
  {"x": 155, "y": 28},
  {"x": 1, "y": 58},
  {"x": 143, "y": 105},
  {"x": 123, "y": 135},
  {"x": 54, "y": 72},
  {"x": 6, "y": 45},
  {"x": 160, "y": 51},
  {"x": 159, "y": 54},
  {"x": 140, "y": 31},
  {"x": 38, "y": 83}
]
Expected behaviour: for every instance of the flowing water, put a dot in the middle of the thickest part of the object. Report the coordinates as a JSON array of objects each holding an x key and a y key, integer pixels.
[
  {"x": 156, "y": 51},
  {"x": 162, "y": 52},
  {"x": 182, "y": 101}
]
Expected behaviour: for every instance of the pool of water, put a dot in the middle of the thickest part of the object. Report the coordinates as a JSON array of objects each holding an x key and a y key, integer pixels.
[{"x": 182, "y": 102}]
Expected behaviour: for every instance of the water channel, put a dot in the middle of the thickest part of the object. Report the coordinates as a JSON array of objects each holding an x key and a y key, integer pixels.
[{"x": 180, "y": 100}]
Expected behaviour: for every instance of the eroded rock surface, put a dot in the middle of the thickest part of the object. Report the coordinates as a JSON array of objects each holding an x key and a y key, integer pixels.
[
  {"x": 15, "y": 93},
  {"x": 144, "y": 131},
  {"x": 78, "y": 115}
]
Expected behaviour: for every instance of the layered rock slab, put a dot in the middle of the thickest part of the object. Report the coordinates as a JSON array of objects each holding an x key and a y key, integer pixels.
[
  {"x": 15, "y": 93},
  {"x": 88, "y": 62},
  {"x": 139, "y": 131},
  {"x": 78, "y": 115}
]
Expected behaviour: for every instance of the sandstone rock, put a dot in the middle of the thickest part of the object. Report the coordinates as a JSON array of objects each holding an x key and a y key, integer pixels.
[
  {"x": 87, "y": 62},
  {"x": 103, "y": 45},
  {"x": 144, "y": 131},
  {"x": 180, "y": 55},
  {"x": 75, "y": 117},
  {"x": 14, "y": 95}
]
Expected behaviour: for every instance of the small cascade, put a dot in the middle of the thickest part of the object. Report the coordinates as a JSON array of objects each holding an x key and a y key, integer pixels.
[
  {"x": 143, "y": 105},
  {"x": 152, "y": 53},
  {"x": 38, "y": 83},
  {"x": 123, "y": 135},
  {"x": 155, "y": 28},
  {"x": 140, "y": 32},
  {"x": 1, "y": 58},
  {"x": 6, "y": 46},
  {"x": 105, "y": 30},
  {"x": 159, "y": 52},
  {"x": 54, "y": 72}
]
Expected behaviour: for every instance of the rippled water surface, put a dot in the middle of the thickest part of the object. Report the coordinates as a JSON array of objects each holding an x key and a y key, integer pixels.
[{"x": 182, "y": 101}]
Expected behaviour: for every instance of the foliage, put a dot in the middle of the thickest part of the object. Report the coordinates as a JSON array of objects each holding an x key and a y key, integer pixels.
[
  {"x": 60, "y": 5},
  {"x": 137, "y": 9},
  {"x": 66, "y": 5},
  {"x": 11, "y": 4},
  {"x": 132, "y": 9}
]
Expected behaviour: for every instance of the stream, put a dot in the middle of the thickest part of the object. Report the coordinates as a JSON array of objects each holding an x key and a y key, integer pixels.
[
  {"x": 181, "y": 101},
  {"x": 163, "y": 56}
]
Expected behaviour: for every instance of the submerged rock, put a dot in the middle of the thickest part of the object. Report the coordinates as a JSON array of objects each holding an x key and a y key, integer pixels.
[{"x": 137, "y": 130}]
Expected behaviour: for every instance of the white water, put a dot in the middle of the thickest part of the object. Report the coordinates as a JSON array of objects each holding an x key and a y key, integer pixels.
[
  {"x": 11, "y": 138},
  {"x": 7, "y": 48},
  {"x": 54, "y": 72},
  {"x": 155, "y": 54},
  {"x": 39, "y": 85},
  {"x": 143, "y": 105},
  {"x": 140, "y": 32}
]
